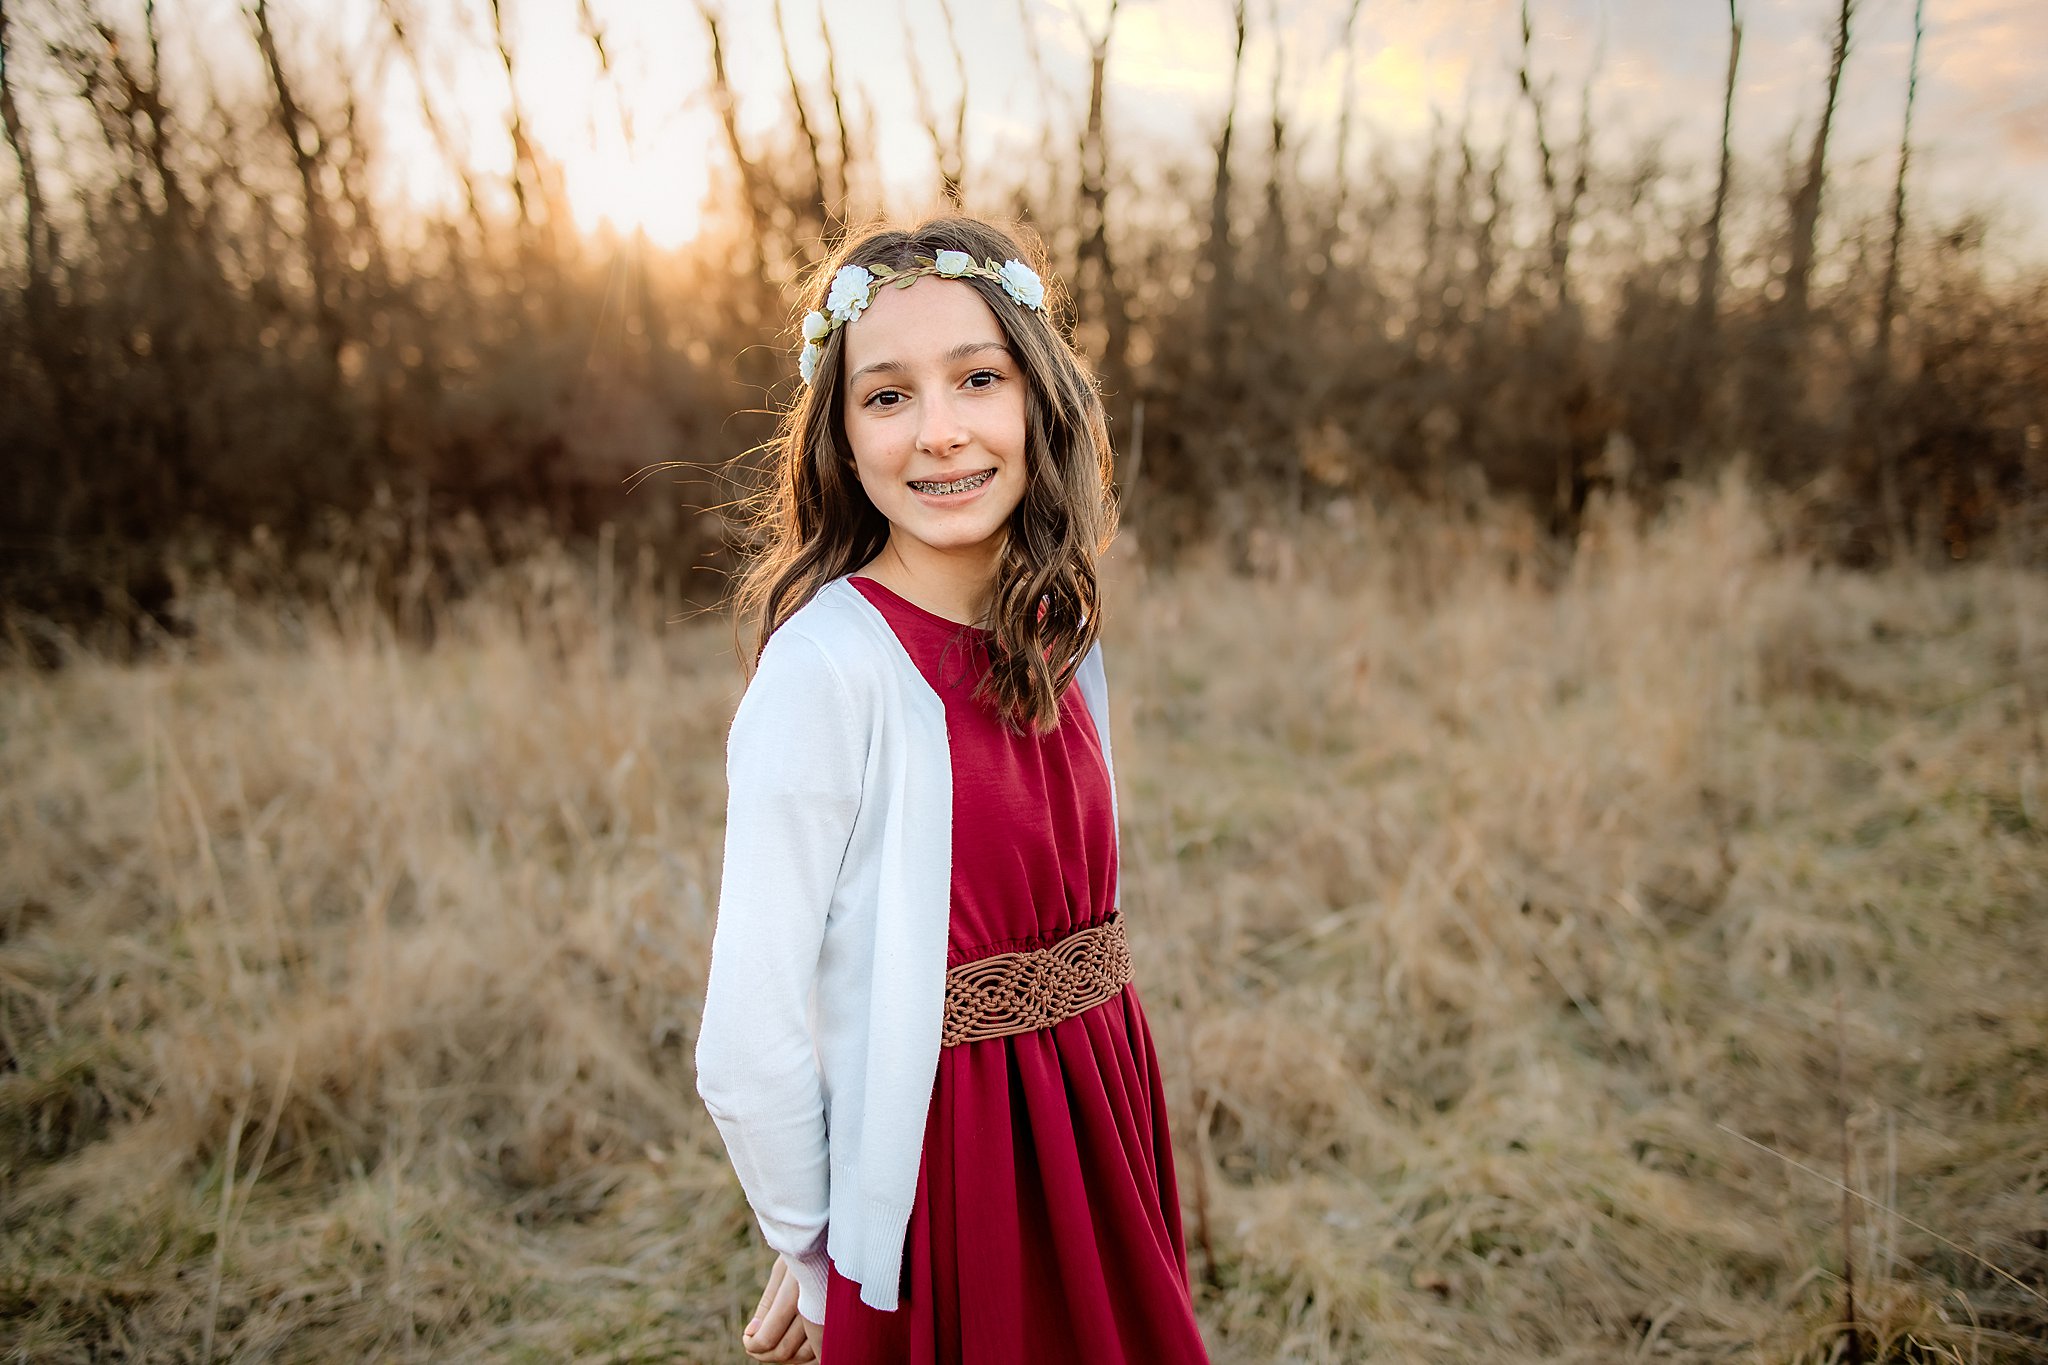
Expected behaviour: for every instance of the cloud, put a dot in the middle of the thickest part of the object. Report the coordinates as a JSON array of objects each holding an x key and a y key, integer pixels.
[{"x": 2026, "y": 131}]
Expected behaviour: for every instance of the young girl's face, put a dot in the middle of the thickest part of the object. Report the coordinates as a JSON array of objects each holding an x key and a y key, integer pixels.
[{"x": 934, "y": 397}]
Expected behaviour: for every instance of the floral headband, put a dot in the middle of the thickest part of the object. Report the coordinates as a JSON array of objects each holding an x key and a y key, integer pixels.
[{"x": 854, "y": 287}]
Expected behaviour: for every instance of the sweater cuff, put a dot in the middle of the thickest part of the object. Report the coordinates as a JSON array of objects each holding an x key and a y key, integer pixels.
[
  {"x": 812, "y": 1272},
  {"x": 882, "y": 1252}
]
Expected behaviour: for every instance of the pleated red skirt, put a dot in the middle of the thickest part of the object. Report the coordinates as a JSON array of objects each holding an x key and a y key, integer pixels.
[{"x": 1046, "y": 1225}]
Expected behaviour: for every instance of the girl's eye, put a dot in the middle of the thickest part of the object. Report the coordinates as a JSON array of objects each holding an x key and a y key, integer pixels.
[{"x": 893, "y": 398}]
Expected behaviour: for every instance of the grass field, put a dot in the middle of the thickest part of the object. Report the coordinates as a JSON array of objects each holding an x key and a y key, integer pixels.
[{"x": 1533, "y": 951}]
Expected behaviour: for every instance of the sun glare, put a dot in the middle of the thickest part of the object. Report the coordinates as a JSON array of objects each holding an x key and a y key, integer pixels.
[{"x": 658, "y": 186}]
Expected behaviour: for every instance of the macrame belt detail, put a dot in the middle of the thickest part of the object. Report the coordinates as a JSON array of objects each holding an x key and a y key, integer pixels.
[{"x": 1019, "y": 992}]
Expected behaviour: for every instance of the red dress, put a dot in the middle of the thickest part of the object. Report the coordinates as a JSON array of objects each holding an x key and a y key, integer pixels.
[{"x": 1046, "y": 1224}]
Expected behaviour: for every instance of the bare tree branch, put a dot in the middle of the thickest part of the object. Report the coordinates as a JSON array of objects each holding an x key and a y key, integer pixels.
[
  {"x": 409, "y": 50},
  {"x": 536, "y": 185},
  {"x": 301, "y": 136},
  {"x": 752, "y": 183},
  {"x": 1564, "y": 204},
  {"x": 1099, "y": 293},
  {"x": 839, "y": 205},
  {"x": 1275, "y": 226},
  {"x": 946, "y": 154},
  {"x": 1218, "y": 250},
  {"x": 1344, "y": 111},
  {"x": 36, "y": 230},
  {"x": 1710, "y": 261},
  {"x": 1806, "y": 203},
  {"x": 1046, "y": 98},
  {"x": 817, "y": 209},
  {"x": 1888, "y": 295},
  {"x": 957, "y": 187},
  {"x": 54, "y": 355}
]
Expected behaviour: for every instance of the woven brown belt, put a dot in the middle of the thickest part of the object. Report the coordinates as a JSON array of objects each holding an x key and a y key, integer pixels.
[{"x": 1018, "y": 992}]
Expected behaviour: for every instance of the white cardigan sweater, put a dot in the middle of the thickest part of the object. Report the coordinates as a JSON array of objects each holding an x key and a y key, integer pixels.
[{"x": 826, "y": 992}]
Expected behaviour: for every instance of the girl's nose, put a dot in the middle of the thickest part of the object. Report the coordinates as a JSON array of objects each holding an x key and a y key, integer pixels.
[{"x": 939, "y": 425}]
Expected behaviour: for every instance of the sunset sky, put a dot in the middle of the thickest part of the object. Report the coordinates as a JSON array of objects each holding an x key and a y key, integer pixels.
[{"x": 1981, "y": 128}]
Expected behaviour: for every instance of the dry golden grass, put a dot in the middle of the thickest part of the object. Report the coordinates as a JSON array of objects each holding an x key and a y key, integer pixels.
[{"x": 1493, "y": 920}]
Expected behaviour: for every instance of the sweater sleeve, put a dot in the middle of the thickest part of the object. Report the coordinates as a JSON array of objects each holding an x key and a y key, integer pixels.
[
  {"x": 1094, "y": 684},
  {"x": 794, "y": 758}
]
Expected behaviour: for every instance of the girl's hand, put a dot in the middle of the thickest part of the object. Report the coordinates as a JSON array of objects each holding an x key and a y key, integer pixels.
[{"x": 778, "y": 1332}]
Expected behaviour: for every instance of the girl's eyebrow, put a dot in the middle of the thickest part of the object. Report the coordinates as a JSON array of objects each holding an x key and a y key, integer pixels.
[{"x": 960, "y": 352}]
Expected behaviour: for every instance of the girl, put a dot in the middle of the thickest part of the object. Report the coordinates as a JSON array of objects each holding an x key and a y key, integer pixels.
[{"x": 920, "y": 1042}]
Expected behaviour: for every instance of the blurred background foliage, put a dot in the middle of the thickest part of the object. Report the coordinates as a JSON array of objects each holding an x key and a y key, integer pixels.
[{"x": 223, "y": 353}]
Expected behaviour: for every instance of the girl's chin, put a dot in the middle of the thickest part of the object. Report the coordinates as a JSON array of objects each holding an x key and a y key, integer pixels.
[
  {"x": 959, "y": 543},
  {"x": 950, "y": 535}
]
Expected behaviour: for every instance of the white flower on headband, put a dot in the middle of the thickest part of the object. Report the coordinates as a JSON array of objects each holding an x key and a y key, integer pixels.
[
  {"x": 1021, "y": 282},
  {"x": 850, "y": 291},
  {"x": 854, "y": 287}
]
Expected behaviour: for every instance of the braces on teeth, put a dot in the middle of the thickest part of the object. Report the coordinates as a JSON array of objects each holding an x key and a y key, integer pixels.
[{"x": 954, "y": 487}]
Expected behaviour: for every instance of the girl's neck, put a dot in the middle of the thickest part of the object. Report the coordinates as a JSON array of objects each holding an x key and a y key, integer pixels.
[{"x": 956, "y": 588}]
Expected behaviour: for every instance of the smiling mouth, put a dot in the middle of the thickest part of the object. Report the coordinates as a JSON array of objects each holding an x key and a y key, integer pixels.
[{"x": 956, "y": 486}]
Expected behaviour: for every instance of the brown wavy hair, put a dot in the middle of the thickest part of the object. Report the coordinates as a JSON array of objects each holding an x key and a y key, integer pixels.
[{"x": 811, "y": 521}]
